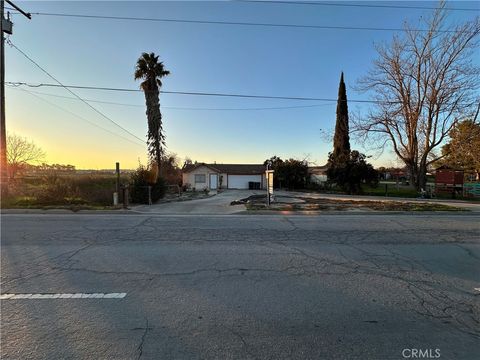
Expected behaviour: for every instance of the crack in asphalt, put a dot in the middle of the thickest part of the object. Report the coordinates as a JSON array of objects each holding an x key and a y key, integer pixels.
[
  {"x": 246, "y": 347},
  {"x": 468, "y": 251},
  {"x": 34, "y": 273},
  {"x": 435, "y": 303},
  {"x": 142, "y": 340},
  {"x": 241, "y": 270},
  {"x": 435, "y": 298},
  {"x": 291, "y": 223}
]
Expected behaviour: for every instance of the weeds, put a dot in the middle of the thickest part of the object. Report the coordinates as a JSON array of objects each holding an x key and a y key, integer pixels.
[{"x": 90, "y": 190}]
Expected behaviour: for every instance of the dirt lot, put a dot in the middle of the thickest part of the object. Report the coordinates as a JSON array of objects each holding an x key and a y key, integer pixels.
[{"x": 284, "y": 203}]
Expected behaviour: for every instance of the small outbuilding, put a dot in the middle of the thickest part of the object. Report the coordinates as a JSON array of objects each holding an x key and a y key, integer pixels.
[
  {"x": 202, "y": 176},
  {"x": 448, "y": 180}
]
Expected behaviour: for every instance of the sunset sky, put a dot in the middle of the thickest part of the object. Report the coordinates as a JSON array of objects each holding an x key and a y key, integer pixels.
[{"x": 273, "y": 61}]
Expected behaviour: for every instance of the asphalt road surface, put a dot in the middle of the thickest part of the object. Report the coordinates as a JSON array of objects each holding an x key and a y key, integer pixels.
[{"x": 240, "y": 286}]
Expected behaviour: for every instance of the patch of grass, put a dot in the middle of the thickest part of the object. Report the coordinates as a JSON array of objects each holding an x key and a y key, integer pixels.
[
  {"x": 449, "y": 197},
  {"x": 391, "y": 190},
  {"x": 73, "y": 208},
  {"x": 76, "y": 208}
]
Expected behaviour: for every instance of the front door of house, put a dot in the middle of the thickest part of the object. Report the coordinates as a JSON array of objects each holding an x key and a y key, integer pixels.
[{"x": 213, "y": 181}]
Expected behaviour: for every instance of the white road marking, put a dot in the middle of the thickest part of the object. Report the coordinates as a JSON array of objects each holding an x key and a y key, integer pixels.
[{"x": 63, "y": 296}]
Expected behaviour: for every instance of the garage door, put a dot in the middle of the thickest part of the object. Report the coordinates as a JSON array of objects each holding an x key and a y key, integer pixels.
[{"x": 241, "y": 181}]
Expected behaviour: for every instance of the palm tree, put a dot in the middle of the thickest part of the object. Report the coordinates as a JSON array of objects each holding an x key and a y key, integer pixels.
[{"x": 151, "y": 71}]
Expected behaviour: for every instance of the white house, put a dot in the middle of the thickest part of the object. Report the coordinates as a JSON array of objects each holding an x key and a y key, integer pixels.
[
  {"x": 318, "y": 174},
  {"x": 224, "y": 176}
]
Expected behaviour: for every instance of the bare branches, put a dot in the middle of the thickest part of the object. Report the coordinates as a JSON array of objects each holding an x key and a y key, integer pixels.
[
  {"x": 434, "y": 82},
  {"x": 20, "y": 152}
]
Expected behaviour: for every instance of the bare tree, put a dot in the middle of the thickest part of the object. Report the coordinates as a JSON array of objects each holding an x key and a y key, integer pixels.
[
  {"x": 187, "y": 162},
  {"x": 20, "y": 152},
  {"x": 423, "y": 83}
]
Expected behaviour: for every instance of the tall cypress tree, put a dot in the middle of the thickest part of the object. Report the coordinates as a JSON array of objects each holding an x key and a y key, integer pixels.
[
  {"x": 347, "y": 169},
  {"x": 341, "y": 140}
]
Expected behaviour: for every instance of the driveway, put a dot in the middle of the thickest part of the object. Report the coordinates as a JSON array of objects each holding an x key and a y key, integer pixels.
[{"x": 218, "y": 204}]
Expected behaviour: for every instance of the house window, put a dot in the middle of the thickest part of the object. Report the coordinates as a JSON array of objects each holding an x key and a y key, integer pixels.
[{"x": 200, "y": 178}]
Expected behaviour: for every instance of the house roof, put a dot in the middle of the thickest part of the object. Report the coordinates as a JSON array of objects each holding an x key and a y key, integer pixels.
[
  {"x": 446, "y": 167},
  {"x": 318, "y": 170},
  {"x": 190, "y": 167},
  {"x": 231, "y": 169}
]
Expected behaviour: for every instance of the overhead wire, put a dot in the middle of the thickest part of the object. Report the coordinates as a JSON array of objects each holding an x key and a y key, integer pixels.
[
  {"x": 236, "y": 23},
  {"x": 71, "y": 92},
  {"x": 199, "y": 93},
  {"x": 185, "y": 108},
  {"x": 341, "y": 4},
  {"x": 78, "y": 116}
]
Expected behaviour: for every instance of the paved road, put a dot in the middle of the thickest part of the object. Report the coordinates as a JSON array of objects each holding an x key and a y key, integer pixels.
[{"x": 241, "y": 287}]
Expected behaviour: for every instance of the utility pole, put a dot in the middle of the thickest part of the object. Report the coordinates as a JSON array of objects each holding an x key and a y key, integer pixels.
[{"x": 5, "y": 27}]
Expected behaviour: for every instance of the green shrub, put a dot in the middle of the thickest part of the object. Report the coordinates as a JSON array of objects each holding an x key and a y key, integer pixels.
[
  {"x": 54, "y": 191},
  {"x": 95, "y": 189},
  {"x": 350, "y": 173},
  {"x": 159, "y": 189},
  {"x": 140, "y": 180},
  {"x": 291, "y": 174}
]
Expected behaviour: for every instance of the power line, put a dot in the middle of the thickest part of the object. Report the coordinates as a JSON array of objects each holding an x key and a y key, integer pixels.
[
  {"x": 184, "y": 108},
  {"x": 198, "y": 93},
  {"x": 80, "y": 117},
  {"x": 71, "y": 92},
  {"x": 354, "y": 5},
  {"x": 27, "y": 15},
  {"x": 89, "y": 100},
  {"x": 236, "y": 23}
]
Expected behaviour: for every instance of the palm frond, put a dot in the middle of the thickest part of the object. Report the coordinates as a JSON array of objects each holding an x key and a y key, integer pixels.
[{"x": 151, "y": 70}]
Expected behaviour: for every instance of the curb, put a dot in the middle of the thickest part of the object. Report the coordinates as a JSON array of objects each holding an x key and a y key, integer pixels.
[
  {"x": 354, "y": 213},
  {"x": 62, "y": 211}
]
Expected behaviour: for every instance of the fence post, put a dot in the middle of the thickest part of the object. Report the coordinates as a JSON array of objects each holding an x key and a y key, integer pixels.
[
  {"x": 386, "y": 190},
  {"x": 125, "y": 196},
  {"x": 116, "y": 194},
  {"x": 117, "y": 173}
]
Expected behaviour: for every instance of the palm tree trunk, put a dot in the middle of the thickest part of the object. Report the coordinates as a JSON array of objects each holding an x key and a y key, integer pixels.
[{"x": 155, "y": 132}]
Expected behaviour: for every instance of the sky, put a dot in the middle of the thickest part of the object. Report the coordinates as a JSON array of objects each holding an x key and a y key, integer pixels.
[{"x": 273, "y": 61}]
